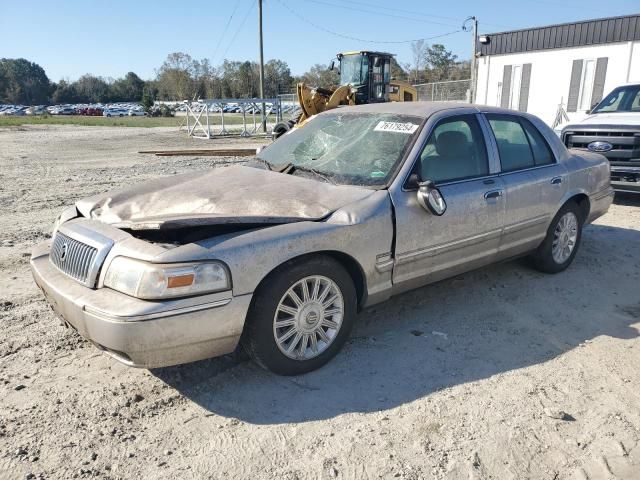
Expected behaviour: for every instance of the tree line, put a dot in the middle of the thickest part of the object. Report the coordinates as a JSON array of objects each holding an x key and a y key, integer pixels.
[
  {"x": 182, "y": 77},
  {"x": 434, "y": 63}
]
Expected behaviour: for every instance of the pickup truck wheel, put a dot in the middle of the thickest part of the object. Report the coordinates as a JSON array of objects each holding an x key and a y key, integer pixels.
[
  {"x": 560, "y": 246},
  {"x": 301, "y": 316}
]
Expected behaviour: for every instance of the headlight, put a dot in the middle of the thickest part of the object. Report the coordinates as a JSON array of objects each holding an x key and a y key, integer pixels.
[{"x": 150, "y": 281}]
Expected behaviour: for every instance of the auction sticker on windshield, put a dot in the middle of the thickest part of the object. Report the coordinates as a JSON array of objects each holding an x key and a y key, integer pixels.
[{"x": 397, "y": 127}]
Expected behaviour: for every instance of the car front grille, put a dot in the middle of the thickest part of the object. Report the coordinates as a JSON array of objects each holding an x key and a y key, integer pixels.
[
  {"x": 625, "y": 143},
  {"x": 73, "y": 257}
]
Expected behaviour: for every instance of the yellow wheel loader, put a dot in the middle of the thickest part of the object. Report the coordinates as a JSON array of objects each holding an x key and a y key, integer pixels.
[{"x": 365, "y": 77}]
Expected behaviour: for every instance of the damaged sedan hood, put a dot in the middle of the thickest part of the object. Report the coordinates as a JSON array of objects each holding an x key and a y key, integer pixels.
[{"x": 235, "y": 194}]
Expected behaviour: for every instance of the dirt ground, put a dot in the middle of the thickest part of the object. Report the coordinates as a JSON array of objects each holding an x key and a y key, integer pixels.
[{"x": 502, "y": 373}]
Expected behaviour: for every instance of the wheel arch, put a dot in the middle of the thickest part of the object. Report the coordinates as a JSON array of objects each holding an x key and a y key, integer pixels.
[
  {"x": 351, "y": 265},
  {"x": 583, "y": 202}
]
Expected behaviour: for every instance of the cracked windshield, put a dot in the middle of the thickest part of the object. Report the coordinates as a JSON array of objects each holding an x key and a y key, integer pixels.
[{"x": 353, "y": 149}]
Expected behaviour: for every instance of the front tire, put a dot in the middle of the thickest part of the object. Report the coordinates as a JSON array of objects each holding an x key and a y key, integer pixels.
[
  {"x": 560, "y": 246},
  {"x": 301, "y": 316}
]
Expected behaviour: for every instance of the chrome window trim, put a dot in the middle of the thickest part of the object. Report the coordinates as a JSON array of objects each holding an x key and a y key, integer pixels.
[
  {"x": 538, "y": 167},
  {"x": 490, "y": 140},
  {"x": 430, "y": 125},
  {"x": 518, "y": 119},
  {"x": 467, "y": 180}
]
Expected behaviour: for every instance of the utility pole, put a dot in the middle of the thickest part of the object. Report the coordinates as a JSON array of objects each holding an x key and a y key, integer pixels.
[
  {"x": 474, "y": 29},
  {"x": 264, "y": 119}
]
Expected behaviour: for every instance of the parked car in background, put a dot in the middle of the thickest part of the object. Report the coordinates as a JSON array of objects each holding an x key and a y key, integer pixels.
[
  {"x": 115, "y": 112},
  {"x": 38, "y": 110},
  {"x": 360, "y": 204},
  {"x": 137, "y": 113},
  {"x": 65, "y": 111},
  {"x": 613, "y": 129}
]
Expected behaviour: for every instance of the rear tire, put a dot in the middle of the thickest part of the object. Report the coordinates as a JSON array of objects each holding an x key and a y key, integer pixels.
[
  {"x": 561, "y": 244},
  {"x": 283, "y": 329}
]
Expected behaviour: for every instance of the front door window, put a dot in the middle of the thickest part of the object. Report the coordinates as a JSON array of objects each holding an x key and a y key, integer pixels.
[{"x": 455, "y": 151}]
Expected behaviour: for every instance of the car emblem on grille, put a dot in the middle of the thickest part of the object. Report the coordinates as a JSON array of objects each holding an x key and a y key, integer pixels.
[
  {"x": 63, "y": 253},
  {"x": 599, "y": 146}
]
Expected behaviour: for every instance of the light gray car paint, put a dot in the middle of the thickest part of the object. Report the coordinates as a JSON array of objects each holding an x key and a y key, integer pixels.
[
  {"x": 354, "y": 223},
  {"x": 235, "y": 194}
]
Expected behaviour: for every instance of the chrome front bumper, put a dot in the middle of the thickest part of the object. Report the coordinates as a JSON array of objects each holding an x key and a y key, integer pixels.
[
  {"x": 143, "y": 333},
  {"x": 625, "y": 179}
]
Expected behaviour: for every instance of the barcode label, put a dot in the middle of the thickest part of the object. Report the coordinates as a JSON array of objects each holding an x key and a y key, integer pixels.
[{"x": 397, "y": 127}]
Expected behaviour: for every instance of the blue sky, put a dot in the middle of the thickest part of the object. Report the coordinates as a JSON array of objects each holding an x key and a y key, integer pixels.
[{"x": 109, "y": 38}]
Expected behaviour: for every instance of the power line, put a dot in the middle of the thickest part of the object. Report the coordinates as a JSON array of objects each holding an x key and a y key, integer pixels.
[
  {"x": 226, "y": 27},
  {"x": 244, "y": 20},
  {"x": 371, "y": 12},
  {"x": 386, "y": 8},
  {"x": 349, "y": 37},
  {"x": 572, "y": 6},
  {"x": 414, "y": 12}
]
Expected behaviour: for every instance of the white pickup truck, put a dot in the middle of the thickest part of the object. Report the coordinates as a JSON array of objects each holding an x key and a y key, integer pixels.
[{"x": 612, "y": 129}]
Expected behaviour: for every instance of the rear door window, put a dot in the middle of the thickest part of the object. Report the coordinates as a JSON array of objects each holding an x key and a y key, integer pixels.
[
  {"x": 541, "y": 152},
  {"x": 520, "y": 144},
  {"x": 513, "y": 146}
]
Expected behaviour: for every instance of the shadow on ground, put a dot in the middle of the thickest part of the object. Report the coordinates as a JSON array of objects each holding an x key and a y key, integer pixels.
[
  {"x": 627, "y": 199},
  {"x": 487, "y": 322}
]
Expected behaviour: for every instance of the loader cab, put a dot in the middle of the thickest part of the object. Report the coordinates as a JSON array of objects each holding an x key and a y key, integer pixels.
[{"x": 368, "y": 72}]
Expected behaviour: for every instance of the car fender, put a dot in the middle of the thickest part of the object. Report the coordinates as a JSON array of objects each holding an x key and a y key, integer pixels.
[{"x": 362, "y": 231}]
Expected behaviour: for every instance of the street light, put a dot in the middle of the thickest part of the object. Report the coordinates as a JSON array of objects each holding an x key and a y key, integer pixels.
[{"x": 474, "y": 29}]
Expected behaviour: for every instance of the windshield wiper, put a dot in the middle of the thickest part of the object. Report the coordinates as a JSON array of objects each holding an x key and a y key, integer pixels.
[
  {"x": 290, "y": 168},
  {"x": 266, "y": 163}
]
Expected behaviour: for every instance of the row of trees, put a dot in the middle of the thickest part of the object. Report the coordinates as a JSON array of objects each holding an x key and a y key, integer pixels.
[
  {"x": 182, "y": 77},
  {"x": 25, "y": 82},
  {"x": 434, "y": 63}
]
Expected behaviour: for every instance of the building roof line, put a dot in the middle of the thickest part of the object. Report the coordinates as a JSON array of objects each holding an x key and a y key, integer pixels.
[{"x": 577, "y": 22}]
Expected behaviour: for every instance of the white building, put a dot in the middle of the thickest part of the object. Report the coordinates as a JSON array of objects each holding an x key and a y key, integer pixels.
[{"x": 573, "y": 64}]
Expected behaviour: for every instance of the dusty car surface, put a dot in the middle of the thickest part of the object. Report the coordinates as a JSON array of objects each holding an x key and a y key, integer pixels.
[{"x": 360, "y": 204}]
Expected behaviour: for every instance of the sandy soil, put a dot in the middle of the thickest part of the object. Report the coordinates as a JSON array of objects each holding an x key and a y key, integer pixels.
[{"x": 502, "y": 373}]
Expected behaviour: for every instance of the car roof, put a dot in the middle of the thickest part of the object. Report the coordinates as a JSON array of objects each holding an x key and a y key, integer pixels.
[
  {"x": 629, "y": 84},
  {"x": 420, "y": 109}
]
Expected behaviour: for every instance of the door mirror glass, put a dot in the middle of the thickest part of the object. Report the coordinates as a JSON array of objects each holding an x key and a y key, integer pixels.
[
  {"x": 332, "y": 65},
  {"x": 430, "y": 198}
]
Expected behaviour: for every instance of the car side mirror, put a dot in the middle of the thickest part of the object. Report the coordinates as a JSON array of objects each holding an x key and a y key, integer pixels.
[
  {"x": 332, "y": 65},
  {"x": 430, "y": 198},
  {"x": 413, "y": 182}
]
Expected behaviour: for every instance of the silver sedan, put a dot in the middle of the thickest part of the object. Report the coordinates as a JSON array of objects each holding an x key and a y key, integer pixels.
[{"x": 279, "y": 255}]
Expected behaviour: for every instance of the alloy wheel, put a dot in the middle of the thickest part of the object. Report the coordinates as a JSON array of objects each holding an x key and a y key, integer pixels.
[{"x": 308, "y": 317}]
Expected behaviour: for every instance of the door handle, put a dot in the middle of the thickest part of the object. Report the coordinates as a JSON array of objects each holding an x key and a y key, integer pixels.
[
  {"x": 556, "y": 181},
  {"x": 492, "y": 194}
]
